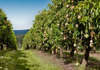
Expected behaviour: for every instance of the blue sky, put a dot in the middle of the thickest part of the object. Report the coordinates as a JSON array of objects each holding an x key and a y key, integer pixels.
[{"x": 22, "y": 12}]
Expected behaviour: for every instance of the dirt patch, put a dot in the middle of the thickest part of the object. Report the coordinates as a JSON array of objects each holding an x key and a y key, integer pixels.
[
  {"x": 91, "y": 54},
  {"x": 55, "y": 60},
  {"x": 67, "y": 63}
]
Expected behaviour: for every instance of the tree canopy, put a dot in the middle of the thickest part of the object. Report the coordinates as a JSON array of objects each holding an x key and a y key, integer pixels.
[{"x": 7, "y": 36}]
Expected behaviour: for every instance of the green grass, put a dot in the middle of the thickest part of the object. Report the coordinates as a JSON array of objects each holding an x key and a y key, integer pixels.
[
  {"x": 23, "y": 60},
  {"x": 38, "y": 63},
  {"x": 81, "y": 56},
  {"x": 93, "y": 62}
]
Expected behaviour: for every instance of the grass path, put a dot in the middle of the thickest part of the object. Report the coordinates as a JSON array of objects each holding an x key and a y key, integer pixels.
[
  {"x": 38, "y": 63},
  {"x": 39, "y": 60},
  {"x": 24, "y": 60}
]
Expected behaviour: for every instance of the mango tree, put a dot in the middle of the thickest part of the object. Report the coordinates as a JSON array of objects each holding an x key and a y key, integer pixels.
[{"x": 7, "y": 36}]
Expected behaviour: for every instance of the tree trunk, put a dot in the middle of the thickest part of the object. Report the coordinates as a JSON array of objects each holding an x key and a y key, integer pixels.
[
  {"x": 52, "y": 52},
  {"x": 67, "y": 47},
  {"x": 81, "y": 50},
  {"x": 55, "y": 51},
  {"x": 35, "y": 47},
  {"x": 27, "y": 47},
  {"x": 99, "y": 48},
  {"x": 94, "y": 49},
  {"x": 72, "y": 52},
  {"x": 1, "y": 47},
  {"x": 86, "y": 57},
  {"x": 61, "y": 52}
]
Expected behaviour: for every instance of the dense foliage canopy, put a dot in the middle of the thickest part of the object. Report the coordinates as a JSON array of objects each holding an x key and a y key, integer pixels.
[
  {"x": 67, "y": 22},
  {"x": 7, "y": 36}
]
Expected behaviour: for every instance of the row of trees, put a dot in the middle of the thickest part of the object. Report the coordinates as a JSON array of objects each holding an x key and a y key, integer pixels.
[
  {"x": 19, "y": 39},
  {"x": 73, "y": 23},
  {"x": 7, "y": 37}
]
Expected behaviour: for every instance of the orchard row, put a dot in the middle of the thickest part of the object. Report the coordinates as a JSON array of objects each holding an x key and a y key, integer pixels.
[
  {"x": 73, "y": 23},
  {"x": 7, "y": 37}
]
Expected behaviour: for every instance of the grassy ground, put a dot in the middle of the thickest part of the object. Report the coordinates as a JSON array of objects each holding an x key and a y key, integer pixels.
[
  {"x": 39, "y": 60},
  {"x": 23, "y": 60},
  {"x": 93, "y": 63}
]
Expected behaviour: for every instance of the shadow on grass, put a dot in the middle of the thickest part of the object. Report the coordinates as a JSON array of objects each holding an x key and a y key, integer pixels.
[
  {"x": 13, "y": 60},
  {"x": 93, "y": 63}
]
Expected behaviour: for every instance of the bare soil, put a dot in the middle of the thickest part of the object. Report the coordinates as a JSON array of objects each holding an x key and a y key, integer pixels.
[
  {"x": 55, "y": 60},
  {"x": 67, "y": 63}
]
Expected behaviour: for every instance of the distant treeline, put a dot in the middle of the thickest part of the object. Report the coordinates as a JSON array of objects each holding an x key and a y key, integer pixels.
[{"x": 20, "y": 32}]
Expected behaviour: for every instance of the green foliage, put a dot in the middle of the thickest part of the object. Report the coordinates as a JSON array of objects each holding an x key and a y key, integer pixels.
[
  {"x": 66, "y": 21},
  {"x": 27, "y": 41},
  {"x": 7, "y": 36},
  {"x": 19, "y": 39},
  {"x": 23, "y": 60}
]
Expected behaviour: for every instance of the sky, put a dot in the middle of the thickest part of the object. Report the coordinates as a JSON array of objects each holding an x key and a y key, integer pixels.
[{"x": 21, "y": 13}]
